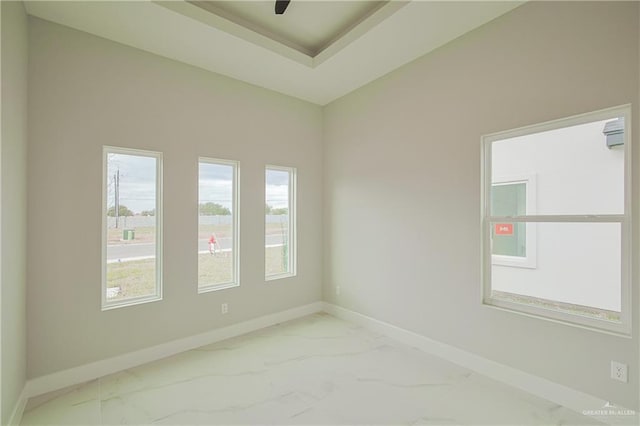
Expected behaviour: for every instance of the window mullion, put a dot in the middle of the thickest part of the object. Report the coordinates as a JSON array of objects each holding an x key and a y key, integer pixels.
[{"x": 559, "y": 218}]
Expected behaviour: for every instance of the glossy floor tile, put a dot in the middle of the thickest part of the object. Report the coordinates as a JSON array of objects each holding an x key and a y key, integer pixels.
[{"x": 315, "y": 370}]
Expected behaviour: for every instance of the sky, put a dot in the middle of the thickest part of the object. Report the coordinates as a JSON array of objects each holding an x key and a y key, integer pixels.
[
  {"x": 277, "y": 191},
  {"x": 137, "y": 181},
  {"x": 216, "y": 184},
  {"x": 138, "y": 176}
]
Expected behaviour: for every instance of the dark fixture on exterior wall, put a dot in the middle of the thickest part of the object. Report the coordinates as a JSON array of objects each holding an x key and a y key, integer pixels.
[
  {"x": 281, "y": 6},
  {"x": 614, "y": 131}
]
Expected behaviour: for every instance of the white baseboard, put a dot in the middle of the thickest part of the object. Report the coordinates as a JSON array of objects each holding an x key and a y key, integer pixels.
[
  {"x": 18, "y": 410},
  {"x": 94, "y": 370},
  {"x": 538, "y": 386}
]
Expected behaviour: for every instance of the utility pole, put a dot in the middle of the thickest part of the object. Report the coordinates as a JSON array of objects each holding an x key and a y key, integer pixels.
[{"x": 116, "y": 185}]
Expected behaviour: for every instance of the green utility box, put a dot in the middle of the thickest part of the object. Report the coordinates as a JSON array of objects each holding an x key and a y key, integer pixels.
[{"x": 128, "y": 234}]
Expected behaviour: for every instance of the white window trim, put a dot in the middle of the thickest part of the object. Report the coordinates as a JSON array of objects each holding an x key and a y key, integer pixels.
[
  {"x": 106, "y": 304},
  {"x": 293, "y": 173},
  {"x": 235, "y": 220},
  {"x": 530, "y": 261},
  {"x": 622, "y": 328}
]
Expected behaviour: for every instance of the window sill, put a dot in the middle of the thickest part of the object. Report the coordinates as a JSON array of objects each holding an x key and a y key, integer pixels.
[
  {"x": 614, "y": 328},
  {"x": 611, "y": 327},
  {"x": 130, "y": 302},
  {"x": 216, "y": 287},
  {"x": 279, "y": 276},
  {"x": 513, "y": 261}
]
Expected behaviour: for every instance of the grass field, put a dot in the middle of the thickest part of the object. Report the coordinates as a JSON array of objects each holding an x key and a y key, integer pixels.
[
  {"x": 145, "y": 234},
  {"x": 275, "y": 260},
  {"x": 137, "y": 278},
  {"x": 216, "y": 269}
]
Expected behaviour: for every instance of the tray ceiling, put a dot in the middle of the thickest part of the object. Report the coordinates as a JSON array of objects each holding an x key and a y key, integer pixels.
[{"x": 317, "y": 51}]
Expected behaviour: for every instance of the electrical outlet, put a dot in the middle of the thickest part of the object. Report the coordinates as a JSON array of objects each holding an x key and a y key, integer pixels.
[
  {"x": 337, "y": 290},
  {"x": 224, "y": 308},
  {"x": 619, "y": 371}
]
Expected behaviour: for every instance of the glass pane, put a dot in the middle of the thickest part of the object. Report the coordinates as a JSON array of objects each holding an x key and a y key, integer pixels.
[
  {"x": 509, "y": 200},
  {"x": 131, "y": 226},
  {"x": 216, "y": 224},
  {"x": 578, "y": 269},
  {"x": 509, "y": 239},
  {"x": 277, "y": 241},
  {"x": 578, "y": 169}
]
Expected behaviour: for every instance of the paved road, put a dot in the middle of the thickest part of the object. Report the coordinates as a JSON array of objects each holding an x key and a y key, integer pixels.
[{"x": 142, "y": 250}]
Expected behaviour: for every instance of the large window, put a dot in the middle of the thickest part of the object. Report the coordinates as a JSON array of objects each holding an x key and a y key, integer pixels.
[
  {"x": 556, "y": 220},
  {"x": 132, "y": 225},
  {"x": 217, "y": 224},
  {"x": 280, "y": 222}
]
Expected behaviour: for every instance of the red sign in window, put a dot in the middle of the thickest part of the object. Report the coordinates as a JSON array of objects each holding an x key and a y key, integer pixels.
[{"x": 504, "y": 228}]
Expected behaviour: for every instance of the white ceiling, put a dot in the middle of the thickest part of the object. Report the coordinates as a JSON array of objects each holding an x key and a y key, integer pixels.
[{"x": 317, "y": 51}]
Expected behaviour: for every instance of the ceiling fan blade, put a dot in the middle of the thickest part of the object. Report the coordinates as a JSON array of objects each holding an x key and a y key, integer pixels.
[{"x": 281, "y": 6}]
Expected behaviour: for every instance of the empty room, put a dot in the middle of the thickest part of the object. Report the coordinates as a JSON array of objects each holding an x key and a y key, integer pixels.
[{"x": 316, "y": 212}]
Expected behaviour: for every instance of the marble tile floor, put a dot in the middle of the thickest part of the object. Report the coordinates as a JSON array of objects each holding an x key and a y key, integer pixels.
[{"x": 315, "y": 370}]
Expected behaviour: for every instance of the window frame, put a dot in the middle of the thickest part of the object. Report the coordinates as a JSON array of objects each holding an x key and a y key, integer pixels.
[
  {"x": 621, "y": 328},
  {"x": 235, "y": 219},
  {"x": 105, "y": 303},
  {"x": 292, "y": 225}
]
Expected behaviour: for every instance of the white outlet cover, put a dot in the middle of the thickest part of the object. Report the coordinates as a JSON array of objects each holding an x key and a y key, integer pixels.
[{"x": 619, "y": 371}]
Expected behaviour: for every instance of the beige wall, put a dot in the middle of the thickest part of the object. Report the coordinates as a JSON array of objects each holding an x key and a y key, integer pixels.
[
  {"x": 86, "y": 92},
  {"x": 402, "y": 182},
  {"x": 13, "y": 198}
]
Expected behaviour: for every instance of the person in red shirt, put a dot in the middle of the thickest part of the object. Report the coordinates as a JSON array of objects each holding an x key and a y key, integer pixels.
[{"x": 213, "y": 243}]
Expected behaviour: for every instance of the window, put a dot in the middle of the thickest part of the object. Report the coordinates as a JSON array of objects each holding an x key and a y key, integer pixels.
[
  {"x": 280, "y": 222},
  {"x": 513, "y": 244},
  {"x": 132, "y": 227},
  {"x": 556, "y": 220},
  {"x": 217, "y": 224}
]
